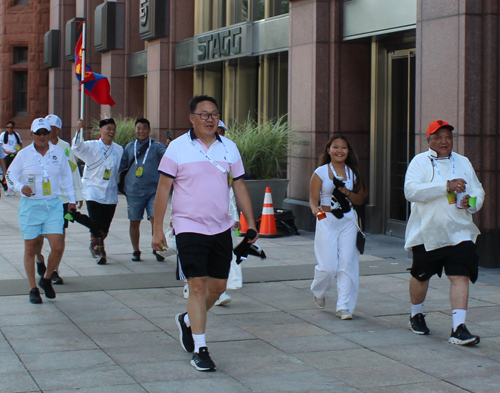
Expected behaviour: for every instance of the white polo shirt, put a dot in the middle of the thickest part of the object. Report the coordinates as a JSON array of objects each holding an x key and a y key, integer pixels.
[
  {"x": 200, "y": 203},
  {"x": 54, "y": 164}
]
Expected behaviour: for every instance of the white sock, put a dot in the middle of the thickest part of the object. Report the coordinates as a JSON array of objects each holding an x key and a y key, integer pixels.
[
  {"x": 458, "y": 316},
  {"x": 186, "y": 320},
  {"x": 417, "y": 309},
  {"x": 199, "y": 342}
]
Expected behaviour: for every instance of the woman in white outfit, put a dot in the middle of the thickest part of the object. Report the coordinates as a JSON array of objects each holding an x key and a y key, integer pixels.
[{"x": 335, "y": 239}]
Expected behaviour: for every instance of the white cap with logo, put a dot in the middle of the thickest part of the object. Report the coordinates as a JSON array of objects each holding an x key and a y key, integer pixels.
[
  {"x": 222, "y": 125},
  {"x": 54, "y": 121},
  {"x": 40, "y": 124}
]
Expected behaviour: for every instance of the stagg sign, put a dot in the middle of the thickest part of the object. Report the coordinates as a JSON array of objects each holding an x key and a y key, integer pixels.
[{"x": 223, "y": 44}]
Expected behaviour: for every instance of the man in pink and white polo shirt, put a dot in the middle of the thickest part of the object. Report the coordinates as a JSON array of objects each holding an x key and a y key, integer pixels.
[{"x": 201, "y": 165}]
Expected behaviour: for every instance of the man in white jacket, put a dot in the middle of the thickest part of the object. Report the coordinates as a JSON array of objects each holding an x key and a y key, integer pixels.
[{"x": 444, "y": 192}]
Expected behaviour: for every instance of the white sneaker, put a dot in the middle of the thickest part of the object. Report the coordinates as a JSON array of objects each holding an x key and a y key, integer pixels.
[
  {"x": 185, "y": 291},
  {"x": 344, "y": 314},
  {"x": 320, "y": 301},
  {"x": 223, "y": 299},
  {"x": 7, "y": 192}
]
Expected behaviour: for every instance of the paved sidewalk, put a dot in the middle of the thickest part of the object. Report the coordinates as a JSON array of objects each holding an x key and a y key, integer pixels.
[{"x": 111, "y": 327}]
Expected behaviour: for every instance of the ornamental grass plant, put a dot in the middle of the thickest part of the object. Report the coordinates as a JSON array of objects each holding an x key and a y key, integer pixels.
[
  {"x": 125, "y": 130},
  {"x": 264, "y": 146}
]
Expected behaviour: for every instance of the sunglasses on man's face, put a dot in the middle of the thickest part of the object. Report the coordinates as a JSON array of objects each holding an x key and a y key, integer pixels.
[{"x": 42, "y": 132}]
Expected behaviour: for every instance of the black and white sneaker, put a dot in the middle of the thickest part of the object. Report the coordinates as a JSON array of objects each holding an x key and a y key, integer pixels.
[
  {"x": 185, "y": 334},
  {"x": 159, "y": 258},
  {"x": 56, "y": 278},
  {"x": 462, "y": 336},
  {"x": 201, "y": 361},
  {"x": 417, "y": 324}
]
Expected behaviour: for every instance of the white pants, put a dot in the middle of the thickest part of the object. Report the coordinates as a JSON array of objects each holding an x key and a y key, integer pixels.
[
  {"x": 235, "y": 279},
  {"x": 337, "y": 255}
]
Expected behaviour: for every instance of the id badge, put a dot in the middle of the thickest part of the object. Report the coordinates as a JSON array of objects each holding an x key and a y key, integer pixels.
[
  {"x": 73, "y": 166},
  {"x": 139, "y": 171},
  {"x": 46, "y": 187},
  {"x": 452, "y": 198},
  {"x": 107, "y": 174},
  {"x": 17, "y": 147},
  {"x": 230, "y": 178}
]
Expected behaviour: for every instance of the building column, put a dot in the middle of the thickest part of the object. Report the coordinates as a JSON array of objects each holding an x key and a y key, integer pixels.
[
  {"x": 169, "y": 90},
  {"x": 458, "y": 80},
  {"x": 328, "y": 93},
  {"x": 60, "y": 77}
]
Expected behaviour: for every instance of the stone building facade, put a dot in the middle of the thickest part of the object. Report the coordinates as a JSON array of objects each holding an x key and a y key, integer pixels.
[{"x": 23, "y": 77}]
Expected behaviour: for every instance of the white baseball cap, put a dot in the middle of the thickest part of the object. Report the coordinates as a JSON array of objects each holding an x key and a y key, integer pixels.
[
  {"x": 40, "y": 124},
  {"x": 222, "y": 125},
  {"x": 54, "y": 120}
]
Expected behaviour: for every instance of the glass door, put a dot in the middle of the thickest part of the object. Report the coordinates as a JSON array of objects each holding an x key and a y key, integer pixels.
[{"x": 400, "y": 137}]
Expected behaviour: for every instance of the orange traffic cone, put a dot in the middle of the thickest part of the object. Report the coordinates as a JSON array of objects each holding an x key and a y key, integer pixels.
[
  {"x": 268, "y": 222},
  {"x": 243, "y": 224}
]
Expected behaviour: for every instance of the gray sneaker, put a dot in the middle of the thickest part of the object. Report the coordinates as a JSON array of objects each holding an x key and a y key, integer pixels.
[{"x": 320, "y": 301}]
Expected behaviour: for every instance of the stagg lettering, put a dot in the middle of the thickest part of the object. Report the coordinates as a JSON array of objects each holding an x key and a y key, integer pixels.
[
  {"x": 144, "y": 11},
  {"x": 220, "y": 44}
]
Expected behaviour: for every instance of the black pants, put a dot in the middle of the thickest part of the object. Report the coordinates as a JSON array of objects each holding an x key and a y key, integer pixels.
[{"x": 101, "y": 215}]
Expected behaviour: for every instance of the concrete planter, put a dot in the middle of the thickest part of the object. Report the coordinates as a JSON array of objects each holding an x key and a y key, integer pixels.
[{"x": 257, "y": 190}]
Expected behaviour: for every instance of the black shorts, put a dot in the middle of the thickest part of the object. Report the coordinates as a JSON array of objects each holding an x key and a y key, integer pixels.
[
  {"x": 204, "y": 255},
  {"x": 459, "y": 260},
  {"x": 65, "y": 211}
]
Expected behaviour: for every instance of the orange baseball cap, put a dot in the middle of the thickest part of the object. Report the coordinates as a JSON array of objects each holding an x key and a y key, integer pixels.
[{"x": 436, "y": 125}]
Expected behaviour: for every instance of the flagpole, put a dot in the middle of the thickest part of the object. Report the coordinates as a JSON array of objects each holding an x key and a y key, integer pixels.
[{"x": 82, "y": 88}]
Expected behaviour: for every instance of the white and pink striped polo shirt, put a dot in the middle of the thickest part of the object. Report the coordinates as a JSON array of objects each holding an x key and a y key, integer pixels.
[{"x": 200, "y": 203}]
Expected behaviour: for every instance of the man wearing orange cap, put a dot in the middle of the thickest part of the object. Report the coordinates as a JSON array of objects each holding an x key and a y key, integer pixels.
[{"x": 444, "y": 192}]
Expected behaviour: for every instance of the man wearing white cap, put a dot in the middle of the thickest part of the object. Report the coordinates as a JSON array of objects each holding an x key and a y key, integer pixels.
[
  {"x": 56, "y": 125},
  {"x": 36, "y": 172}
]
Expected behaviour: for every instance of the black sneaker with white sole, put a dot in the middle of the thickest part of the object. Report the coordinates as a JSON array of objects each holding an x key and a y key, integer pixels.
[
  {"x": 417, "y": 324},
  {"x": 201, "y": 361},
  {"x": 56, "y": 278},
  {"x": 462, "y": 336},
  {"x": 185, "y": 334}
]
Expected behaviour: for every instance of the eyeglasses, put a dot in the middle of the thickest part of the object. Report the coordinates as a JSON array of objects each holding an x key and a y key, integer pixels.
[
  {"x": 42, "y": 132},
  {"x": 9, "y": 128},
  {"x": 205, "y": 116}
]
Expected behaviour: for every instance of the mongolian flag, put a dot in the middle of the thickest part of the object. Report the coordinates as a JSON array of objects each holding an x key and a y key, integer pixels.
[{"x": 95, "y": 85}]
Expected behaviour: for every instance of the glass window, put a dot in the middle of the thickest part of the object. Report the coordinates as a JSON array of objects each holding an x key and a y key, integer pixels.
[
  {"x": 20, "y": 54},
  {"x": 20, "y": 91}
]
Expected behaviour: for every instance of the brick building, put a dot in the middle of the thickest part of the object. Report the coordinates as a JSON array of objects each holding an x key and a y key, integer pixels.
[{"x": 24, "y": 80}]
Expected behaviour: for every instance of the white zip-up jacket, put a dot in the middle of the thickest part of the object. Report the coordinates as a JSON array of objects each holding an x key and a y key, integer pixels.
[
  {"x": 77, "y": 180},
  {"x": 434, "y": 221},
  {"x": 98, "y": 157}
]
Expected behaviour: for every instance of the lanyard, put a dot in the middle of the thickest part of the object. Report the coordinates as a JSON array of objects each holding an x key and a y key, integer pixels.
[
  {"x": 435, "y": 165},
  {"x": 209, "y": 158},
  {"x": 105, "y": 153},
  {"x": 46, "y": 169},
  {"x": 345, "y": 168},
  {"x": 145, "y": 155}
]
